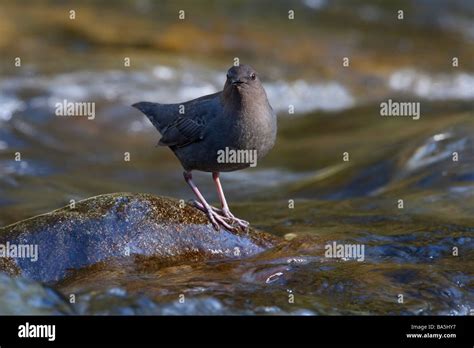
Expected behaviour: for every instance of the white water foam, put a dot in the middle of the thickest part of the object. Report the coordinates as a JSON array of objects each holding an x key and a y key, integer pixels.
[
  {"x": 458, "y": 86},
  {"x": 162, "y": 84}
]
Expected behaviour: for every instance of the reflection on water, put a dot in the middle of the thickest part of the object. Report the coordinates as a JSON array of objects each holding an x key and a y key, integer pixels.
[{"x": 408, "y": 251}]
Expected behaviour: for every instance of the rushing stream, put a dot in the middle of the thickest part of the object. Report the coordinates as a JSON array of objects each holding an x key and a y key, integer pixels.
[{"x": 402, "y": 188}]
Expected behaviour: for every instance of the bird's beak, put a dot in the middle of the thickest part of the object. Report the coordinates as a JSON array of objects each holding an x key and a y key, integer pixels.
[{"x": 236, "y": 82}]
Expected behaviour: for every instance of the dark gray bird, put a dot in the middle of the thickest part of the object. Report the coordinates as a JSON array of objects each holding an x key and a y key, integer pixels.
[{"x": 220, "y": 132}]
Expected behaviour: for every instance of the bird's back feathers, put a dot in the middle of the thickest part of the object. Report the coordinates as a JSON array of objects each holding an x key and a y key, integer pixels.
[{"x": 184, "y": 123}]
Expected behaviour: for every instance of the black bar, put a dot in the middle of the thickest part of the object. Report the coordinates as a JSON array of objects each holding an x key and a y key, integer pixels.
[{"x": 236, "y": 329}]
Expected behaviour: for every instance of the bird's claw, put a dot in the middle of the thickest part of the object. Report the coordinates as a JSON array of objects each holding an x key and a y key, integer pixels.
[
  {"x": 242, "y": 223},
  {"x": 218, "y": 220},
  {"x": 224, "y": 217}
]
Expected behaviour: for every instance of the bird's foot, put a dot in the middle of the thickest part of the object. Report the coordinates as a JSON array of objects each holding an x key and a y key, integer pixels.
[
  {"x": 222, "y": 215},
  {"x": 218, "y": 220},
  {"x": 199, "y": 205},
  {"x": 242, "y": 223},
  {"x": 214, "y": 217}
]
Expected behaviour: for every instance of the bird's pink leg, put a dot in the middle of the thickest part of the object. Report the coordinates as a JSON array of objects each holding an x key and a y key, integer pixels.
[
  {"x": 214, "y": 217},
  {"x": 225, "y": 206}
]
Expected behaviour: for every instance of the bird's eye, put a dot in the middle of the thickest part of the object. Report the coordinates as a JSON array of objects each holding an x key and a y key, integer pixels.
[{"x": 253, "y": 76}]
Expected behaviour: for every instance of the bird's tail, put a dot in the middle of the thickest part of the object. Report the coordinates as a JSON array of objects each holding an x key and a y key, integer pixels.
[{"x": 155, "y": 112}]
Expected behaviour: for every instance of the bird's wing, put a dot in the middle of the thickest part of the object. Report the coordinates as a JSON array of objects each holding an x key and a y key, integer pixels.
[{"x": 181, "y": 129}]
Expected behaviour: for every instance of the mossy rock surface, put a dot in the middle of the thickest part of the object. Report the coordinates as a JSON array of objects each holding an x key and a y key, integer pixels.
[{"x": 122, "y": 225}]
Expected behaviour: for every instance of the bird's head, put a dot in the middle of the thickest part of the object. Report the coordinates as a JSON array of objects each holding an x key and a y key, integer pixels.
[{"x": 242, "y": 77}]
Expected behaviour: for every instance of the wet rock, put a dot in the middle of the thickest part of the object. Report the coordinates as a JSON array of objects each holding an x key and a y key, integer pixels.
[
  {"x": 117, "y": 226},
  {"x": 116, "y": 301},
  {"x": 20, "y": 296}
]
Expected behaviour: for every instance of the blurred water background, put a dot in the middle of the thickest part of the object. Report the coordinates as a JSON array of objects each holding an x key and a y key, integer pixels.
[{"x": 337, "y": 110}]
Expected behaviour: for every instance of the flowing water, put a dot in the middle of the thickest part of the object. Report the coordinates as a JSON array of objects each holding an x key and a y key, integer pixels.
[{"x": 405, "y": 191}]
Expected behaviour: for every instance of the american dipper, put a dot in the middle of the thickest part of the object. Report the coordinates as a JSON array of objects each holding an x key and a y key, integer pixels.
[{"x": 220, "y": 132}]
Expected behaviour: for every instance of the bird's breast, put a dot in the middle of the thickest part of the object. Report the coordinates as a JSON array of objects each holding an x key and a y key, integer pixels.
[{"x": 255, "y": 131}]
